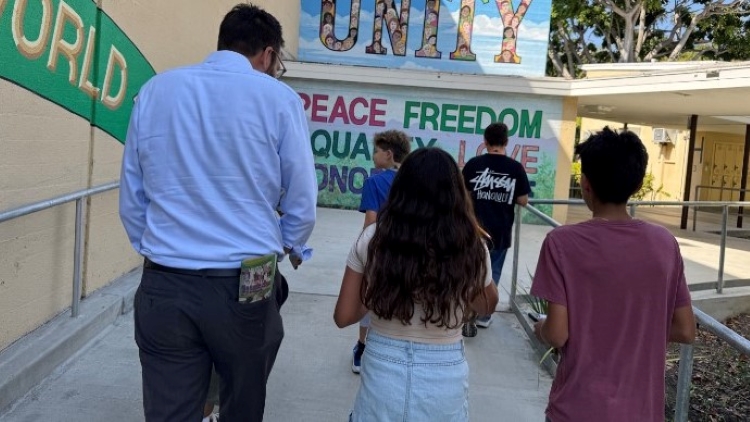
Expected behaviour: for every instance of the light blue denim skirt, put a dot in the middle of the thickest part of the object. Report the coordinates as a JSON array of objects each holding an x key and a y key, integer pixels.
[{"x": 404, "y": 381}]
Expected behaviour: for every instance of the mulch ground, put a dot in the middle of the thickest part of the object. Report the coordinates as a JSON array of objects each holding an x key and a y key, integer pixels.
[{"x": 721, "y": 378}]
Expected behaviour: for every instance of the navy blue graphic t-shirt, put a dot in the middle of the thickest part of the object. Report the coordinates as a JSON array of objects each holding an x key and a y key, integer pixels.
[{"x": 495, "y": 182}]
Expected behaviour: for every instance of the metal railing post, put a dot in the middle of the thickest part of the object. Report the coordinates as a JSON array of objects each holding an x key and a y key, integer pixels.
[
  {"x": 741, "y": 210},
  {"x": 695, "y": 209},
  {"x": 516, "y": 252},
  {"x": 722, "y": 248},
  {"x": 78, "y": 197},
  {"x": 684, "y": 381},
  {"x": 77, "y": 259}
]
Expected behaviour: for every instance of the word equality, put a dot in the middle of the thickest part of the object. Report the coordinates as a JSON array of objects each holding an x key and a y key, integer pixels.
[{"x": 346, "y": 145}]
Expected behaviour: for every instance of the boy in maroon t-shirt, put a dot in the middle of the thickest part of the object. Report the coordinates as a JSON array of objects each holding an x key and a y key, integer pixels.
[{"x": 617, "y": 295}]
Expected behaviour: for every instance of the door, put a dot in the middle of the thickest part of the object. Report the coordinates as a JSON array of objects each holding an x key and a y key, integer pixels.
[{"x": 726, "y": 171}]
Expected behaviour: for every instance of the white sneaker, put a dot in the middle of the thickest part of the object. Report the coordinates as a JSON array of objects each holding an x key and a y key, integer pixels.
[{"x": 484, "y": 322}]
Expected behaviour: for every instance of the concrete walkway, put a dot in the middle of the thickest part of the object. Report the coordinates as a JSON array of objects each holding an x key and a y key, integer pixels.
[{"x": 312, "y": 380}]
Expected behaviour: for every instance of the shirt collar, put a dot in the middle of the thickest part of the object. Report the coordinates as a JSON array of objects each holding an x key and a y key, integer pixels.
[{"x": 229, "y": 60}]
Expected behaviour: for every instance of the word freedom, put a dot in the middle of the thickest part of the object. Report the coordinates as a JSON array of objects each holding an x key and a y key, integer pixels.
[{"x": 472, "y": 119}]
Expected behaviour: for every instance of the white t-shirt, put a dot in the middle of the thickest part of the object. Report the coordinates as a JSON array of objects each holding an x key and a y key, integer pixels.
[{"x": 416, "y": 331}]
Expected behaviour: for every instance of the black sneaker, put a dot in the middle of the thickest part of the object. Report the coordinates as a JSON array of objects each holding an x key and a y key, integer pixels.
[
  {"x": 469, "y": 329},
  {"x": 359, "y": 348}
]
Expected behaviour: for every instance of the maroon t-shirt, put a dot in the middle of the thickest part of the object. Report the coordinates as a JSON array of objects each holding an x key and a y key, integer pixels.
[{"x": 620, "y": 283}]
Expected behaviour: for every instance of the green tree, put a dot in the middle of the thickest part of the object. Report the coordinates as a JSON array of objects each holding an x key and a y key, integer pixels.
[
  {"x": 724, "y": 37},
  {"x": 626, "y": 31}
]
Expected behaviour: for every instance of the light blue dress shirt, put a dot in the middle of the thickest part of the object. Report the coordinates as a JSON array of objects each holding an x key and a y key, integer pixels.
[{"x": 209, "y": 151}]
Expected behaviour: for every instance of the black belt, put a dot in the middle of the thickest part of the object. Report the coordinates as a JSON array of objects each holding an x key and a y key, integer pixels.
[{"x": 207, "y": 272}]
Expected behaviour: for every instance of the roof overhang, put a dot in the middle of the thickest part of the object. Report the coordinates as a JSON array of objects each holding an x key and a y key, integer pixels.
[{"x": 719, "y": 93}]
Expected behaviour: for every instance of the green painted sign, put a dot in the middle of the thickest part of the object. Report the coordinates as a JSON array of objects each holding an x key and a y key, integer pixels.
[{"x": 73, "y": 54}]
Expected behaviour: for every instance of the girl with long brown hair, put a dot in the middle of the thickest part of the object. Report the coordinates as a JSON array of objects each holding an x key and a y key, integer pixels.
[{"x": 420, "y": 272}]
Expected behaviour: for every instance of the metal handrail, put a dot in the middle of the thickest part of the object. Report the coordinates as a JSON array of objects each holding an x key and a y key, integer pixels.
[
  {"x": 730, "y": 204},
  {"x": 704, "y": 321},
  {"x": 740, "y": 212},
  {"x": 632, "y": 205},
  {"x": 78, "y": 197},
  {"x": 685, "y": 371},
  {"x": 708, "y": 323}
]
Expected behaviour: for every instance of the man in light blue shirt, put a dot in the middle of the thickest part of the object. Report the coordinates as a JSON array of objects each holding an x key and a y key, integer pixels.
[{"x": 209, "y": 151}]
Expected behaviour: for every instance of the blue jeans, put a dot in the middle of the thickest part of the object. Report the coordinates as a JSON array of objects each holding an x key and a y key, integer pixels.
[
  {"x": 497, "y": 258},
  {"x": 415, "y": 382}
]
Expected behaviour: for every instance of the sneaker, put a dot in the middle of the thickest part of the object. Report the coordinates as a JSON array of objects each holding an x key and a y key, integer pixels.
[
  {"x": 469, "y": 329},
  {"x": 359, "y": 348},
  {"x": 213, "y": 417},
  {"x": 484, "y": 322}
]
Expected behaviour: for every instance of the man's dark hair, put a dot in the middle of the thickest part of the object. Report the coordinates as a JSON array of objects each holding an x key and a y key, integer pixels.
[
  {"x": 496, "y": 135},
  {"x": 248, "y": 30},
  {"x": 394, "y": 141},
  {"x": 614, "y": 163}
]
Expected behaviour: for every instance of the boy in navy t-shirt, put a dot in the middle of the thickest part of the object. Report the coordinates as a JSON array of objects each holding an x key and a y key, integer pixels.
[
  {"x": 496, "y": 184},
  {"x": 391, "y": 148}
]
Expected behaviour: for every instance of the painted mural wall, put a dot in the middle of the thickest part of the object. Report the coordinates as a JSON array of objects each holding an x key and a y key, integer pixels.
[
  {"x": 501, "y": 37},
  {"x": 68, "y": 73},
  {"x": 343, "y": 119}
]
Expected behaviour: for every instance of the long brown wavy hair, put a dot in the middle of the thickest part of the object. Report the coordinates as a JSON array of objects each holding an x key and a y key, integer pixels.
[{"x": 427, "y": 248}]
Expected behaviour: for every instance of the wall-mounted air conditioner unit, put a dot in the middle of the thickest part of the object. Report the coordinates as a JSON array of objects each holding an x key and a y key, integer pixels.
[{"x": 662, "y": 136}]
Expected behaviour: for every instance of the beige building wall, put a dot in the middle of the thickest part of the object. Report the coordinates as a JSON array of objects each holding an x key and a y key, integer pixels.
[
  {"x": 108, "y": 252},
  {"x": 565, "y": 155},
  {"x": 44, "y": 154},
  {"x": 48, "y": 151},
  {"x": 193, "y": 30},
  {"x": 667, "y": 162}
]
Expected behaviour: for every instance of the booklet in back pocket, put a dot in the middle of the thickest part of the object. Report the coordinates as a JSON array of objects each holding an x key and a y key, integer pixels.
[{"x": 256, "y": 278}]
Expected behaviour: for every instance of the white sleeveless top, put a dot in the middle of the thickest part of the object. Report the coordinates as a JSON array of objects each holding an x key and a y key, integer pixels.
[{"x": 416, "y": 331}]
